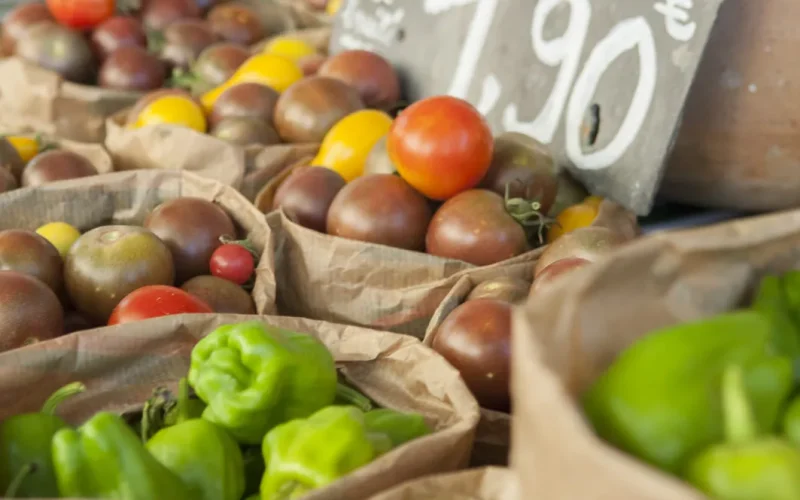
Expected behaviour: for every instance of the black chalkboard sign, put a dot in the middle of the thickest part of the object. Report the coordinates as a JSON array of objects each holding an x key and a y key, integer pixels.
[{"x": 602, "y": 82}]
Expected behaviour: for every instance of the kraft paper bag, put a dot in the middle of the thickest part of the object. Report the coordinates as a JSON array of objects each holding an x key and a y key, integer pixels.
[
  {"x": 33, "y": 99},
  {"x": 127, "y": 198},
  {"x": 565, "y": 337},
  {"x": 121, "y": 365},
  {"x": 490, "y": 483}
]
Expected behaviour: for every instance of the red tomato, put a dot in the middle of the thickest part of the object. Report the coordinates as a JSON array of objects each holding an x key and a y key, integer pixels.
[
  {"x": 441, "y": 146},
  {"x": 232, "y": 262},
  {"x": 81, "y": 14},
  {"x": 154, "y": 301}
]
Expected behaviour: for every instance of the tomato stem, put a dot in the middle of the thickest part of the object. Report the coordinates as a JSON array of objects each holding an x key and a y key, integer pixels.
[{"x": 528, "y": 214}]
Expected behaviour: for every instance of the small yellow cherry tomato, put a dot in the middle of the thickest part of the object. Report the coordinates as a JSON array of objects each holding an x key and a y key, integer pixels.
[
  {"x": 172, "y": 110},
  {"x": 60, "y": 234},
  {"x": 333, "y": 7},
  {"x": 572, "y": 218},
  {"x": 290, "y": 48},
  {"x": 27, "y": 147},
  {"x": 348, "y": 143}
]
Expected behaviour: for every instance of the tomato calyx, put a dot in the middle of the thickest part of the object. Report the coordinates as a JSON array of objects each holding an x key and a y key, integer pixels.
[
  {"x": 187, "y": 80},
  {"x": 529, "y": 215}
]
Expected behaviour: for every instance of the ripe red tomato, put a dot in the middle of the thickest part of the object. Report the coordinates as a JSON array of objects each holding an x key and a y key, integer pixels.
[
  {"x": 81, "y": 14},
  {"x": 232, "y": 262},
  {"x": 441, "y": 146},
  {"x": 154, "y": 301}
]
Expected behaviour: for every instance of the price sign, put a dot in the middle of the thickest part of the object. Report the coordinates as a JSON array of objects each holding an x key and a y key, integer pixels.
[{"x": 602, "y": 82}]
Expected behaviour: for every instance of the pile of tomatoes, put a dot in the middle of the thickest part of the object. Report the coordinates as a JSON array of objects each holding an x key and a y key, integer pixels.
[{"x": 439, "y": 182}]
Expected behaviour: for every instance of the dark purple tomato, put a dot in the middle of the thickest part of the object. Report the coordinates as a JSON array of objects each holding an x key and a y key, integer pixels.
[
  {"x": 132, "y": 68},
  {"x": 184, "y": 40},
  {"x": 475, "y": 227},
  {"x": 382, "y": 209},
  {"x": 476, "y": 339},
  {"x": 250, "y": 100},
  {"x": 236, "y": 23},
  {"x": 17, "y": 21},
  {"x": 117, "y": 32},
  {"x": 219, "y": 62},
  {"x": 62, "y": 50},
  {"x": 158, "y": 14},
  {"x": 28, "y": 253},
  {"x": 56, "y": 165},
  {"x": 307, "y": 195},
  {"x": 506, "y": 288},
  {"x": 524, "y": 167},
  {"x": 555, "y": 270},
  {"x": 29, "y": 311},
  {"x": 7, "y": 181}
]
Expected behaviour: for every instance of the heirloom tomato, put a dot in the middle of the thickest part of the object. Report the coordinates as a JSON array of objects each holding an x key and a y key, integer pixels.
[
  {"x": 441, "y": 146},
  {"x": 154, "y": 301},
  {"x": 81, "y": 14}
]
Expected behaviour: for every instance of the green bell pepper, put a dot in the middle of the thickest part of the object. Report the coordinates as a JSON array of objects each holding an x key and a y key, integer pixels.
[
  {"x": 746, "y": 466},
  {"x": 399, "y": 427},
  {"x": 778, "y": 298},
  {"x": 306, "y": 454},
  {"x": 26, "y": 467},
  {"x": 203, "y": 455},
  {"x": 791, "y": 421},
  {"x": 658, "y": 400},
  {"x": 254, "y": 377},
  {"x": 104, "y": 458}
]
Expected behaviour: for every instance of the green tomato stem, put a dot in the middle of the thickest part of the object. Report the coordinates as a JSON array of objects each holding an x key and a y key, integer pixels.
[
  {"x": 740, "y": 425},
  {"x": 16, "y": 483},
  {"x": 353, "y": 397},
  {"x": 51, "y": 405}
]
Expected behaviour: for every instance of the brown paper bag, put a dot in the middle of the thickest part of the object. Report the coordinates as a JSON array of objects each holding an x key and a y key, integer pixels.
[
  {"x": 174, "y": 148},
  {"x": 346, "y": 281},
  {"x": 95, "y": 153},
  {"x": 490, "y": 483},
  {"x": 121, "y": 366},
  {"x": 304, "y": 15},
  {"x": 493, "y": 435},
  {"x": 565, "y": 338},
  {"x": 267, "y": 164},
  {"x": 127, "y": 198},
  {"x": 33, "y": 99}
]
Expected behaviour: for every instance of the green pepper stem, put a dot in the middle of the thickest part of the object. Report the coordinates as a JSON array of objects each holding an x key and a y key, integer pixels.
[
  {"x": 16, "y": 483},
  {"x": 353, "y": 397},
  {"x": 183, "y": 400},
  {"x": 51, "y": 405},
  {"x": 740, "y": 425}
]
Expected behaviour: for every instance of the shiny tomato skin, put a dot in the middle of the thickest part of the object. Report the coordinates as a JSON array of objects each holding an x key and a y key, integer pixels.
[
  {"x": 155, "y": 301},
  {"x": 232, "y": 262},
  {"x": 81, "y": 14},
  {"x": 441, "y": 146}
]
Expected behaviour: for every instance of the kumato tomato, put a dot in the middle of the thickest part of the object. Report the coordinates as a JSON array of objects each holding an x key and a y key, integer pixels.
[
  {"x": 441, "y": 146},
  {"x": 555, "y": 270},
  {"x": 81, "y": 14},
  {"x": 476, "y": 339},
  {"x": 156, "y": 301},
  {"x": 232, "y": 262}
]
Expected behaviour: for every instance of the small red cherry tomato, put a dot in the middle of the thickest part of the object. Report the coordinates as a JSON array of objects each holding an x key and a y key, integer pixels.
[
  {"x": 232, "y": 262},
  {"x": 81, "y": 14},
  {"x": 154, "y": 301}
]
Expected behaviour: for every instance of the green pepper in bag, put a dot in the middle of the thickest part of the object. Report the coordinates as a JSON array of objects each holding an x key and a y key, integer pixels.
[
  {"x": 306, "y": 454},
  {"x": 660, "y": 399},
  {"x": 791, "y": 421},
  {"x": 203, "y": 455},
  {"x": 746, "y": 466},
  {"x": 254, "y": 377},
  {"x": 399, "y": 427},
  {"x": 778, "y": 299},
  {"x": 105, "y": 459},
  {"x": 26, "y": 467}
]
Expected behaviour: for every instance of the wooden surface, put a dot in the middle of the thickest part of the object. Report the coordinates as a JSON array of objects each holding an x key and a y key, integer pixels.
[{"x": 739, "y": 145}]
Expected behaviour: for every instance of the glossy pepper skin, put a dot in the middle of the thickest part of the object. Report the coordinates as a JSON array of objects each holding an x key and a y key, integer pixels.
[
  {"x": 746, "y": 466},
  {"x": 25, "y": 449},
  {"x": 398, "y": 426},
  {"x": 658, "y": 400},
  {"x": 105, "y": 459},
  {"x": 306, "y": 454},
  {"x": 203, "y": 455},
  {"x": 254, "y": 377}
]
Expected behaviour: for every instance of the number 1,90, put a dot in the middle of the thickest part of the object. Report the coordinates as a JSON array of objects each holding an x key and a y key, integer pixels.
[{"x": 575, "y": 94}]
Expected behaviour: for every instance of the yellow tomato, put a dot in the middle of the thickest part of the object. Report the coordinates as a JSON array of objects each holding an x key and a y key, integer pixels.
[
  {"x": 594, "y": 201},
  {"x": 272, "y": 70},
  {"x": 572, "y": 218},
  {"x": 60, "y": 234},
  {"x": 27, "y": 147},
  {"x": 290, "y": 48},
  {"x": 172, "y": 110},
  {"x": 347, "y": 144},
  {"x": 333, "y": 7}
]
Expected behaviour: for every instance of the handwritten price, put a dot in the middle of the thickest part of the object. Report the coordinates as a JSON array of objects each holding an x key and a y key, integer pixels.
[{"x": 572, "y": 90}]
